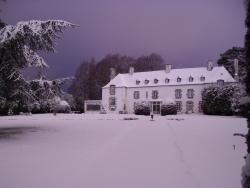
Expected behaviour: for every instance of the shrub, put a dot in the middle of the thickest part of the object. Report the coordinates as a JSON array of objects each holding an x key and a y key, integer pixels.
[
  {"x": 220, "y": 100},
  {"x": 142, "y": 108},
  {"x": 168, "y": 109},
  {"x": 61, "y": 106},
  {"x": 244, "y": 107}
]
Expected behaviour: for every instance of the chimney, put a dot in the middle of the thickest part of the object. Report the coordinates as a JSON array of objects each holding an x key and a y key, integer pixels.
[
  {"x": 210, "y": 65},
  {"x": 131, "y": 70},
  {"x": 168, "y": 68},
  {"x": 112, "y": 73},
  {"x": 236, "y": 69}
]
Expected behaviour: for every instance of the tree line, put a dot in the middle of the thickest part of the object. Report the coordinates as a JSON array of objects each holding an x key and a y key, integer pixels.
[{"x": 91, "y": 76}]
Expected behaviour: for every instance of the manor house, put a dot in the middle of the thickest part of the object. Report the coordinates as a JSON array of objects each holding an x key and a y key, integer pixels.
[{"x": 182, "y": 86}]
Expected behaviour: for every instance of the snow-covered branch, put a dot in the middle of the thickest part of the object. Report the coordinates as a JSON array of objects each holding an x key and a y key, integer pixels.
[
  {"x": 33, "y": 58},
  {"x": 36, "y": 34}
]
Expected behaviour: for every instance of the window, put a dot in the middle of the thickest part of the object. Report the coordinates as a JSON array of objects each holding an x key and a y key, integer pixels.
[
  {"x": 112, "y": 103},
  {"x": 178, "y": 94},
  {"x": 190, "y": 93},
  {"x": 156, "y": 81},
  {"x": 178, "y": 79},
  {"x": 136, "y": 94},
  {"x": 138, "y": 82},
  {"x": 146, "y": 81},
  {"x": 155, "y": 94},
  {"x": 220, "y": 82},
  {"x": 112, "y": 90},
  {"x": 146, "y": 94},
  {"x": 202, "y": 78},
  {"x": 178, "y": 105},
  {"x": 167, "y": 80},
  {"x": 190, "y": 79},
  {"x": 200, "y": 106}
]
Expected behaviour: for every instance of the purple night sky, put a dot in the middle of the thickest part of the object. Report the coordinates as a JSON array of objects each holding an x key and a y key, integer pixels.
[{"x": 186, "y": 33}]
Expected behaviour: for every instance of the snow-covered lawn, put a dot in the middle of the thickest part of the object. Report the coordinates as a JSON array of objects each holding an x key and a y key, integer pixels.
[{"x": 106, "y": 151}]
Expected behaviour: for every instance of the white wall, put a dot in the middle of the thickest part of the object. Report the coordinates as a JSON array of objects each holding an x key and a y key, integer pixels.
[
  {"x": 120, "y": 95},
  {"x": 166, "y": 92},
  {"x": 126, "y": 96}
]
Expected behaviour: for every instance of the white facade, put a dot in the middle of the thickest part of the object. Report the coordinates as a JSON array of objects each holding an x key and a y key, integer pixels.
[{"x": 120, "y": 94}]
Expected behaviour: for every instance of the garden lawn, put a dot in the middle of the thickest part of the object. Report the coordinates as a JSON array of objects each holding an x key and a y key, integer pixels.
[{"x": 106, "y": 151}]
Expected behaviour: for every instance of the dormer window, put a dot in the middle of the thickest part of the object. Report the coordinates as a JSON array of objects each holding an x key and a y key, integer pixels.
[
  {"x": 190, "y": 79},
  {"x": 167, "y": 80},
  {"x": 220, "y": 82},
  {"x": 146, "y": 81},
  {"x": 112, "y": 90},
  {"x": 178, "y": 79},
  {"x": 202, "y": 78},
  {"x": 138, "y": 82},
  {"x": 156, "y": 81}
]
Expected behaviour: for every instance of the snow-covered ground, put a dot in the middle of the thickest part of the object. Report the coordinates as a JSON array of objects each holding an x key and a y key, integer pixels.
[{"x": 106, "y": 151}]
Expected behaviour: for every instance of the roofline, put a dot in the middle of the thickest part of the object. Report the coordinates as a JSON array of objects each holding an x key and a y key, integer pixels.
[
  {"x": 171, "y": 69},
  {"x": 167, "y": 85}
]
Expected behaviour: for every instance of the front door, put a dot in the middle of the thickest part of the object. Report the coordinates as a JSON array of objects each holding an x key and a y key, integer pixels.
[
  {"x": 156, "y": 107},
  {"x": 190, "y": 106}
]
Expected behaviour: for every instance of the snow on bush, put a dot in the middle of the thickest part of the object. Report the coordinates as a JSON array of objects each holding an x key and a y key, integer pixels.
[
  {"x": 142, "y": 108},
  {"x": 60, "y": 105},
  {"x": 221, "y": 100}
]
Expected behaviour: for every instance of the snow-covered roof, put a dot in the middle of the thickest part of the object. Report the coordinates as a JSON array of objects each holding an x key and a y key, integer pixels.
[{"x": 185, "y": 76}]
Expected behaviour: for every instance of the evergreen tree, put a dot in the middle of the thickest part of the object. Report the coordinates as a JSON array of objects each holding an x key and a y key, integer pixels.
[
  {"x": 47, "y": 94},
  {"x": 247, "y": 45},
  {"x": 19, "y": 45},
  {"x": 245, "y": 169},
  {"x": 79, "y": 86},
  {"x": 227, "y": 60}
]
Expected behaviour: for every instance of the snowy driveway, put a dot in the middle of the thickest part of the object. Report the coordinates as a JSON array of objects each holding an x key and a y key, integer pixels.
[{"x": 103, "y": 151}]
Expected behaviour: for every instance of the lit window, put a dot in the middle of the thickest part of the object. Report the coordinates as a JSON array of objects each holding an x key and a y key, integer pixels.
[
  {"x": 112, "y": 90},
  {"x": 178, "y": 79},
  {"x": 191, "y": 79},
  {"x": 178, "y": 105},
  {"x": 190, "y": 93},
  {"x": 155, "y": 94},
  {"x": 202, "y": 78},
  {"x": 167, "y": 80},
  {"x": 146, "y": 81},
  {"x": 138, "y": 82},
  {"x": 136, "y": 94},
  {"x": 220, "y": 82},
  {"x": 178, "y": 94}
]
